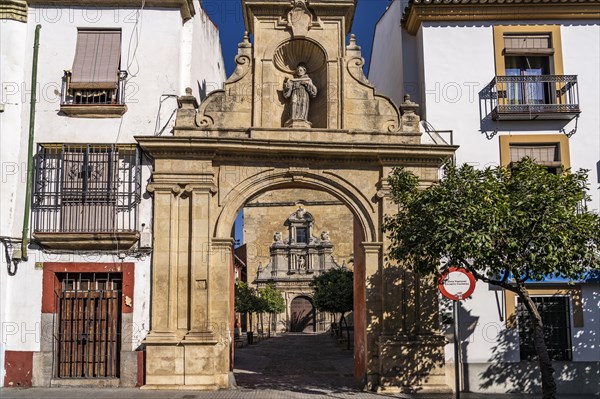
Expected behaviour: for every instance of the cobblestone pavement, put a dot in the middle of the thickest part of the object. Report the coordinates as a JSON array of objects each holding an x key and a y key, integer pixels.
[
  {"x": 294, "y": 366},
  {"x": 296, "y": 362}
]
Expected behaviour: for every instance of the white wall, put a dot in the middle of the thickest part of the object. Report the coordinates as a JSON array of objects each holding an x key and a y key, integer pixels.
[
  {"x": 581, "y": 56},
  {"x": 483, "y": 328},
  {"x": 457, "y": 64},
  {"x": 12, "y": 47},
  {"x": 208, "y": 67},
  {"x": 586, "y": 340},
  {"x": 386, "y": 67}
]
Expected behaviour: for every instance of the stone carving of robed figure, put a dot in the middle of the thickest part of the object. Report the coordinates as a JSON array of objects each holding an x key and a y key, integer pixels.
[{"x": 300, "y": 89}]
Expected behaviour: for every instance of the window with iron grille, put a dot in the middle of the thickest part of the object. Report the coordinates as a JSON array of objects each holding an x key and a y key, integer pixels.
[
  {"x": 86, "y": 188},
  {"x": 557, "y": 327}
]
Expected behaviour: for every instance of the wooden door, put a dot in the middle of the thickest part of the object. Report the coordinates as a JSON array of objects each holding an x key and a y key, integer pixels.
[
  {"x": 303, "y": 315},
  {"x": 88, "y": 344}
]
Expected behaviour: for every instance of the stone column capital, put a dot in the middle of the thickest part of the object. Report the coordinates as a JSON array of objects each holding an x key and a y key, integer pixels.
[
  {"x": 222, "y": 243},
  {"x": 205, "y": 187},
  {"x": 372, "y": 247},
  {"x": 163, "y": 187}
]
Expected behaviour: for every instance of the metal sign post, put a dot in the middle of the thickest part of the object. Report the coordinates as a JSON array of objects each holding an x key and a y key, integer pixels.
[
  {"x": 456, "y": 349},
  {"x": 456, "y": 283}
]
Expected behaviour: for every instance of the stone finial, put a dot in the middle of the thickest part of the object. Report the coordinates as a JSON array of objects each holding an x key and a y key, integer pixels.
[
  {"x": 409, "y": 106},
  {"x": 186, "y": 114},
  {"x": 352, "y": 43},
  {"x": 245, "y": 43}
]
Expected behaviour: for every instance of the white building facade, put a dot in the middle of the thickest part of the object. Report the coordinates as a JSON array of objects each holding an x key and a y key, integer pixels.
[
  {"x": 503, "y": 81},
  {"x": 74, "y": 301}
]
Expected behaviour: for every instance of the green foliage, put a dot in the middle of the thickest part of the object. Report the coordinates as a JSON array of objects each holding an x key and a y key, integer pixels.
[
  {"x": 506, "y": 226},
  {"x": 246, "y": 299},
  {"x": 272, "y": 299},
  {"x": 334, "y": 291}
]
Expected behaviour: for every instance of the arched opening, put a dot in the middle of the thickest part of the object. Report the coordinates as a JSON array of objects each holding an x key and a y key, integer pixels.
[
  {"x": 338, "y": 215},
  {"x": 302, "y": 315}
]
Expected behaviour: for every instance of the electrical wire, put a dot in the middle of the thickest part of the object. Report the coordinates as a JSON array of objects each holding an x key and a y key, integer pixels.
[{"x": 137, "y": 32}]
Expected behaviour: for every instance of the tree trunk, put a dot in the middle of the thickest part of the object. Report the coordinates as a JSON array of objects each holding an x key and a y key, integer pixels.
[
  {"x": 269, "y": 327},
  {"x": 347, "y": 331},
  {"x": 262, "y": 327},
  {"x": 548, "y": 382}
]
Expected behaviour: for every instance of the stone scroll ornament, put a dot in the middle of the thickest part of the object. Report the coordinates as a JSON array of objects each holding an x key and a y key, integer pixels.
[{"x": 299, "y": 90}]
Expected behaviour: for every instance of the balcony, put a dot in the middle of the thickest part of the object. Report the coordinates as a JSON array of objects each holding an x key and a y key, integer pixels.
[
  {"x": 93, "y": 102},
  {"x": 532, "y": 97},
  {"x": 86, "y": 196}
]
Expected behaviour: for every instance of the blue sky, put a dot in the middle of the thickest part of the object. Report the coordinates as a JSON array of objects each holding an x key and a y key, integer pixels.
[{"x": 227, "y": 15}]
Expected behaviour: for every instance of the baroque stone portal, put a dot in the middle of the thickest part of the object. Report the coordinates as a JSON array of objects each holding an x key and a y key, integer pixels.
[
  {"x": 233, "y": 147},
  {"x": 294, "y": 262},
  {"x": 299, "y": 90}
]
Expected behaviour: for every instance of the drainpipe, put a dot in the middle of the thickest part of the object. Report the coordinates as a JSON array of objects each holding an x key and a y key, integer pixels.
[{"x": 25, "y": 236}]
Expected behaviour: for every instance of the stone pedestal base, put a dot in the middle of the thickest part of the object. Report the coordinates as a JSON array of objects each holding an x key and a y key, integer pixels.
[
  {"x": 298, "y": 124},
  {"x": 186, "y": 365},
  {"x": 413, "y": 364}
]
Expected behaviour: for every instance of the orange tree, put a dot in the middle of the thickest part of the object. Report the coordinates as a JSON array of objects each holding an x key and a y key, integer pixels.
[{"x": 507, "y": 226}]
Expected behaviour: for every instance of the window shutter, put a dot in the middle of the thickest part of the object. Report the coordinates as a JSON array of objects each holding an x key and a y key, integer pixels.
[
  {"x": 544, "y": 154},
  {"x": 528, "y": 44},
  {"x": 97, "y": 59}
]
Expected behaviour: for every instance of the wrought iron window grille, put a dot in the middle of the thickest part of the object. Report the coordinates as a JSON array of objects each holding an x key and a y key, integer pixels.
[
  {"x": 86, "y": 188},
  {"x": 532, "y": 97}
]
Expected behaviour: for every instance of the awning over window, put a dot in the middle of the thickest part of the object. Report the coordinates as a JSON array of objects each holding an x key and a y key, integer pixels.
[
  {"x": 528, "y": 44},
  {"x": 544, "y": 154},
  {"x": 97, "y": 59}
]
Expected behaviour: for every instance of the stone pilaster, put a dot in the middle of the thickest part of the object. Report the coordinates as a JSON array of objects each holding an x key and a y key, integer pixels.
[
  {"x": 200, "y": 254},
  {"x": 164, "y": 262},
  {"x": 373, "y": 308}
]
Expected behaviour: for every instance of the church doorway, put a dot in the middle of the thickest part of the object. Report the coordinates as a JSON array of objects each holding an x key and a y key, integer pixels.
[{"x": 302, "y": 315}]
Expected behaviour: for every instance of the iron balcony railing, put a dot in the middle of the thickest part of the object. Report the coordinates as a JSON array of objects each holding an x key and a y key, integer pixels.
[
  {"x": 71, "y": 96},
  {"x": 86, "y": 188},
  {"x": 532, "y": 97}
]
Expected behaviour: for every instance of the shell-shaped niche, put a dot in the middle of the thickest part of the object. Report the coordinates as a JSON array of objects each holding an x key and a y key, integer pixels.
[{"x": 295, "y": 51}]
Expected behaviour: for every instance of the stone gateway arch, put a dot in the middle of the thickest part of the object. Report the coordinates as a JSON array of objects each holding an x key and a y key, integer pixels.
[{"x": 237, "y": 145}]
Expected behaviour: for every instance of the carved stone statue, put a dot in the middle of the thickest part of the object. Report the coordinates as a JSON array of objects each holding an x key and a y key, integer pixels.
[
  {"x": 325, "y": 236},
  {"x": 300, "y": 89},
  {"x": 301, "y": 263},
  {"x": 278, "y": 237}
]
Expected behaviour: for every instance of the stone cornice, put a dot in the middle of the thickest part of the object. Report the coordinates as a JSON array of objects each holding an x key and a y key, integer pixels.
[
  {"x": 276, "y": 8},
  {"x": 15, "y": 10},
  {"x": 419, "y": 11},
  {"x": 186, "y": 6},
  {"x": 283, "y": 151}
]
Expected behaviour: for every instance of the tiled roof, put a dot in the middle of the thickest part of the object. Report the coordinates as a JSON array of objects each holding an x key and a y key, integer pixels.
[{"x": 454, "y": 6}]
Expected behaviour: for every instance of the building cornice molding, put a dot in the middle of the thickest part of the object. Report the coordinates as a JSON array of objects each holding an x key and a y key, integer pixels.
[
  {"x": 15, "y": 10},
  {"x": 278, "y": 8},
  {"x": 232, "y": 150},
  {"x": 186, "y": 6},
  {"x": 419, "y": 11}
]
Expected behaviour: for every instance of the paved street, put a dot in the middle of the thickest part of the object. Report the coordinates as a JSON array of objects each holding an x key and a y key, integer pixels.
[{"x": 294, "y": 366}]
